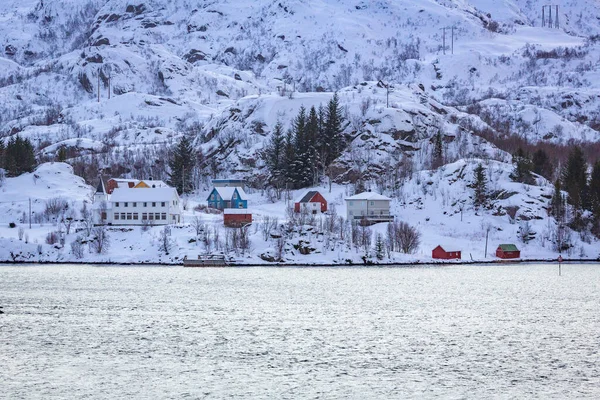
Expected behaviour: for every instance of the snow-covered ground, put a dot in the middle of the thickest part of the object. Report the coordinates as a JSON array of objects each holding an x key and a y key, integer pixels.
[
  {"x": 501, "y": 331},
  {"x": 438, "y": 204}
]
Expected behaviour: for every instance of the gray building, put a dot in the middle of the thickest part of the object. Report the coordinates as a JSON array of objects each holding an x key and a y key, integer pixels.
[{"x": 368, "y": 206}]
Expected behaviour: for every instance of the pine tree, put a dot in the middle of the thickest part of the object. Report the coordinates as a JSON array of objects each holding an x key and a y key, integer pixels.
[
  {"x": 181, "y": 163},
  {"x": 2, "y": 150},
  {"x": 333, "y": 139},
  {"x": 479, "y": 186},
  {"x": 541, "y": 164},
  {"x": 574, "y": 179},
  {"x": 312, "y": 135},
  {"x": 19, "y": 156},
  {"x": 290, "y": 159},
  {"x": 379, "y": 247},
  {"x": 595, "y": 190},
  {"x": 301, "y": 171},
  {"x": 437, "y": 158},
  {"x": 557, "y": 203},
  {"x": 274, "y": 156},
  {"x": 62, "y": 154},
  {"x": 522, "y": 167}
]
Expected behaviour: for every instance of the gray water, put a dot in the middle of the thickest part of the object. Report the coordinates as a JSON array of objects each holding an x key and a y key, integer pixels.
[{"x": 476, "y": 332}]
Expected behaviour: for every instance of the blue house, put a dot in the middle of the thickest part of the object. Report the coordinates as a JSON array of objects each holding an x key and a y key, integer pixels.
[{"x": 227, "y": 197}]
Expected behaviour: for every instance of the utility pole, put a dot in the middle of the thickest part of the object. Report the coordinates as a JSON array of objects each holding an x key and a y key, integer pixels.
[
  {"x": 98, "y": 85},
  {"x": 556, "y": 22},
  {"x": 30, "y": 213},
  {"x": 543, "y": 16},
  {"x": 444, "y": 40},
  {"x": 487, "y": 232}
]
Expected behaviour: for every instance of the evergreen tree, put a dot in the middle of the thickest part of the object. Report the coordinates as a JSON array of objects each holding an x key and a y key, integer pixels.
[
  {"x": 557, "y": 203},
  {"x": 312, "y": 136},
  {"x": 479, "y": 186},
  {"x": 437, "y": 157},
  {"x": 522, "y": 167},
  {"x": 574, "y": 179},
  {"x": 302, "y": 169},
  {"x": 2, "y": 150},
  {"x": 274, "y": 156},
  {"x": 290, "y": 160},
  {"x": 19, "y": 156},
  {"x": 379, "y": 247},
  {"x": 62, "y": 154},
  {"x": 595, "y": 190},
  {"x": 181, "y": 163},
  {"x": 541, "y": 164},
  {"x": 333, "y": 139}
]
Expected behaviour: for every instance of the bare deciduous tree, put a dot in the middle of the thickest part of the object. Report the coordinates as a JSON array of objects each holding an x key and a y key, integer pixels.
[
  {"x": 77, "y": 247},
  {"x": 101, "y": 240},
  {"x": 165, "y": 242}
]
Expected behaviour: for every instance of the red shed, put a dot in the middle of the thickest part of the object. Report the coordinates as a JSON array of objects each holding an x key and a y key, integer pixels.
[
  {"x": 506, "y": 251},
  {"x": 442, "y": 254},
  {"x": 313, "y": 202},
  {"x": 236, "y": 217}
]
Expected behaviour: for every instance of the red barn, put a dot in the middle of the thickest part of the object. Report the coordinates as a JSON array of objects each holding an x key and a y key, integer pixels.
[
  {"x": 442, "y": 254},
  {"x": 236, "y": 217},
  {"x": 313, "y": 202},
  {"x": 506, "y": 251}
]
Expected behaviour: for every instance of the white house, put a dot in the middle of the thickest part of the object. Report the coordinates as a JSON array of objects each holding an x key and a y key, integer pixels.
[
  {"x": 368, "y": 206},
  {"x": 154, "y": 205}
]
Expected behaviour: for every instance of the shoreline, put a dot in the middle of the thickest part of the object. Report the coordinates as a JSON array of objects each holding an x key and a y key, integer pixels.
[{"x": 287, "y": 265}]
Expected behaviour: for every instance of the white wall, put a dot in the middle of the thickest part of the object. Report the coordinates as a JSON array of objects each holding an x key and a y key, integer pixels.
[{"x": 172, "y": 213}]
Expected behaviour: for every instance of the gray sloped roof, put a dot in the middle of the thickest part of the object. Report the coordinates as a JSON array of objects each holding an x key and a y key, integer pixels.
[{"x": 309, "y": 195}]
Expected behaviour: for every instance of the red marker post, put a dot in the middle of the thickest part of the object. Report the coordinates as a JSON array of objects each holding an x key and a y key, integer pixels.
[{"x": 560, "y": 260}]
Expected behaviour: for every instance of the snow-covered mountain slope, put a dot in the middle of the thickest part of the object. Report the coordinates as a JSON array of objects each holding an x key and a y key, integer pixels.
[{"x": 172, "y": 59}]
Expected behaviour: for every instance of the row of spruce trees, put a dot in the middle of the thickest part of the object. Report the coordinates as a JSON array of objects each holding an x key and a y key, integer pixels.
[
  {"x": 299, "y": 157},
  {"x": 294, "y": 159},
  {"x": 17, "y": 156}
]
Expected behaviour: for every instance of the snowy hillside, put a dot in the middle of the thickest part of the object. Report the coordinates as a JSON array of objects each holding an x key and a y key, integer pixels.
[{"x": 117, "y": 83}]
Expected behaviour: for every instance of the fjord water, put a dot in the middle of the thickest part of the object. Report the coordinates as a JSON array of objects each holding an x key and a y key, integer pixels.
[{"x": 507, "y": 331}]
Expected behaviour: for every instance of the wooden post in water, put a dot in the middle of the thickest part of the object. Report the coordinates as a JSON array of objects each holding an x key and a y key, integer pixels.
[{"x": 560, "y": 260}]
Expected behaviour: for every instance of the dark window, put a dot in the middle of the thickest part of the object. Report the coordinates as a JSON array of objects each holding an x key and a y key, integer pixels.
[
  {"x": 129, "y": 216},
  {"x": 134, "y": 205},
  {"x": 153, "y": 204},
  {"x": 151, "y": 216},
  {"x": 144, "y": 216},
  {"x": 157, "y": 216},
  {"x": 163, "y": 204},
  {"x": 126, "y": 204},
  {"x": 116, "y": 215},
  {"x": 122, "y": 215},
  {"x": 145, "y": 204},
  {"x": 117, "y": 204},
  {"x": 163, "y": 216},
  {"x": 135, "y": 216}
]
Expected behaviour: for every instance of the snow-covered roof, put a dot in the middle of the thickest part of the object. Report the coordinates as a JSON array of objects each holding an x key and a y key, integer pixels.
[
  {"x": 226, "y": 193},
  {"x": 151, "y": 194},
  {"x": 238, "y": 211},
  {"x": 368, "y": 196},
  {"x": 155, "y": 183}
]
